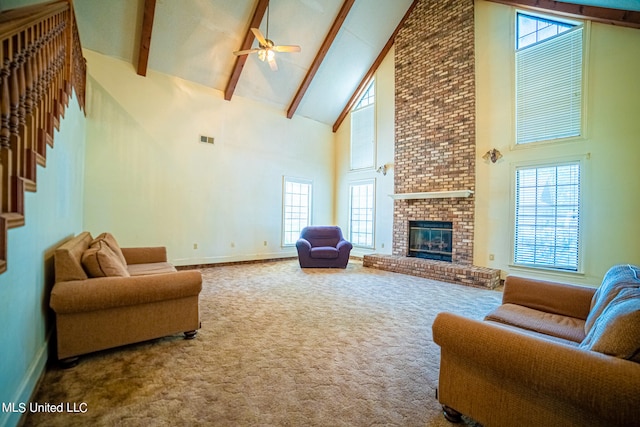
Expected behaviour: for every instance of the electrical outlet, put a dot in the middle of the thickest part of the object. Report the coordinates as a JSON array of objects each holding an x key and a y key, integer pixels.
[
  {"x": 233, "y": 245},
  {"x": 382, "y": 245},
  {"x": 195, "y": 246},
  {"x": 265, "y": 243},
  {"x": 491, "y": 257}
]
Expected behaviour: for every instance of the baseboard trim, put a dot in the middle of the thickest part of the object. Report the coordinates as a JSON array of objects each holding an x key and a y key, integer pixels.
[
  {"x": 227, "y": 263},
  {"x": 29, "y": 386}
]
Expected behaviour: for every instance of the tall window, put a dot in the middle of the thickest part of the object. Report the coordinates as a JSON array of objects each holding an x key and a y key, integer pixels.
[
  {"x": 363, "y": 140},
  {"x": 547, "y": 216},
  {"x": 296, "y": 209},
  {"x": 548, "y": 79},
  {"x": 361, "y": 208}
]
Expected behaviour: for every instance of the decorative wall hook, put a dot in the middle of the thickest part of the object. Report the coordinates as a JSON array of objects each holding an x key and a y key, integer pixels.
[{"x": 493, "y": 155}]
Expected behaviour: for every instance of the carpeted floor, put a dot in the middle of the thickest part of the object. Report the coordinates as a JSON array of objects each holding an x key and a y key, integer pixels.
[{"x": 279, "y": 346}]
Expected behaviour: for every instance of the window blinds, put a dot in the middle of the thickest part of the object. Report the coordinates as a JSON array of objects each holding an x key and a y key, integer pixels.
[
  {"x": 549, "y": 88},
  {"x": 548, "y": 216}
]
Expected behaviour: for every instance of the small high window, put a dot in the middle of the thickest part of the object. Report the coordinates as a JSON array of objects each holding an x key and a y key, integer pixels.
[
  {"x": 533, "y": 29},
  {"x": 367, "y": 98}
]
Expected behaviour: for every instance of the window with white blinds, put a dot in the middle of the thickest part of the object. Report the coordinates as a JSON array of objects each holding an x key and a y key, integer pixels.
[
  {"x": 363, "y": 142},
  {"x": 548, "y": 80},
  {"x": 547, "y": 216}
]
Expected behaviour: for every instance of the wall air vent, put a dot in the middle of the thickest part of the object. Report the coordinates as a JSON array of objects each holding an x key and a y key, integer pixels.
[{"x": 206, "y": 139}]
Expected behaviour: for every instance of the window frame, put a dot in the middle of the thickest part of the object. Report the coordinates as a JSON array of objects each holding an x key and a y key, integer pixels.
[
  {"x": 583, "y": 183},
  {"x": 285, "y": 231},
  {"x": 586, "y": 28},
  {"x": 353, "y": 241}
]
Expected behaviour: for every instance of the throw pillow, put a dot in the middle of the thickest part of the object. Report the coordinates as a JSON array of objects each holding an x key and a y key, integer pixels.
[
  {"x": 100, "y": 261},
  {"x": 113, "y": 245},
  {"x": 618, "y": 277},
  {"x": 616, "y": 332}
]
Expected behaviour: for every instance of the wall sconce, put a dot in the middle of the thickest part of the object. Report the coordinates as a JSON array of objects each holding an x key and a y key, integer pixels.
[
  {"x": 383, "y": 169},
  {"x": 493, "y": 155}
]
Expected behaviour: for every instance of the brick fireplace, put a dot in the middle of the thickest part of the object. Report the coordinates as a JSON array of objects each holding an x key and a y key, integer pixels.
[
  {"x": 435, "y": 121},
  {"x": 435, "y": 131}
]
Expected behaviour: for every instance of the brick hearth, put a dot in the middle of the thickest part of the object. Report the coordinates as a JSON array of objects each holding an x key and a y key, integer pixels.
[{"x": 480, "y": 277}]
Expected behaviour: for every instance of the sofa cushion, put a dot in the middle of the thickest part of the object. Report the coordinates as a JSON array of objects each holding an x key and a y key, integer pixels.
[
  {"x": 100, "y": 261},
  {"x": 113, "y": 245},
  {"x": 616, "y": 331},
  {"x": 68, "y": 258},
  {"x": 550, "y": 297},
  {"x": 555, "y": 325},
  {"x": 324, "y": 252},
  {"x": 534, "y": 334},
  {"x": 618, "y": 277},
  {"x": 150, "y": 268}
]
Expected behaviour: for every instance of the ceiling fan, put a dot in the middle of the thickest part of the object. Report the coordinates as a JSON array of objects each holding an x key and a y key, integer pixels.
[{"x": 266, "y": 48}]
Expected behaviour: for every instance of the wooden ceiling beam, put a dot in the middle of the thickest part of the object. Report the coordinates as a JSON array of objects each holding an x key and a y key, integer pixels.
[
  {"x": 145, "y": 36},
  {"x": 625, "y": 18},
  {"x": 372, "y": 71},
  {"x": 324, "y": 48},
  {"x": 258, "y": 14}
]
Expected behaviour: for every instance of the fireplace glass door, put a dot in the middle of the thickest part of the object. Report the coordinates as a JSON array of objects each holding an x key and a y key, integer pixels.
[{"x": 431, "y": 240}]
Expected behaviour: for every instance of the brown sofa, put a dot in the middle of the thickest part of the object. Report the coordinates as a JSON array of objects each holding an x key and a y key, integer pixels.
[
  {"x": 550, "y": 355},
  {"x": 106, "y": 297}
]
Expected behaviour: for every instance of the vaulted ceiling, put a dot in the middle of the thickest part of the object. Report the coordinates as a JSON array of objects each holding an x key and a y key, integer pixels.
[{"x": 195, "y": 39}]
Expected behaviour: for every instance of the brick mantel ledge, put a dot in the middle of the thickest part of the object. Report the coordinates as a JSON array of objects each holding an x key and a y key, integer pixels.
[{"x": 469, "y": 275}]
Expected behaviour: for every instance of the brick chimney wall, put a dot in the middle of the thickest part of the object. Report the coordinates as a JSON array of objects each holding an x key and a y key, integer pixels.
[{"x": 435, "y": 120}]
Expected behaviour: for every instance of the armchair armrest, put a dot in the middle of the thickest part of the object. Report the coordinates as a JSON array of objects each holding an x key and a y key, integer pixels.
[
  {"x": 344, "y": 245},
  {"x": 303, "y": 245},
  {"x": 108, "y": 292},
  {"x": 145, "y": 255},
  {"x": 550, "y": 297},
  {"x": 604, "y": 385}
]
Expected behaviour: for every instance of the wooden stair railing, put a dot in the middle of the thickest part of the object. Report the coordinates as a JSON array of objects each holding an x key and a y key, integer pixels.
[{"x": 42, "y": 63}]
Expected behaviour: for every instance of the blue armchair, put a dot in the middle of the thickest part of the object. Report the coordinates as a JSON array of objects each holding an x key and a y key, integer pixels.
[{"x": 322, "y": 246}]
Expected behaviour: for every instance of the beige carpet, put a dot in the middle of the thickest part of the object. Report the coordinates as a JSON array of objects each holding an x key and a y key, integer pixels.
[{"x": 279, "y": 346}]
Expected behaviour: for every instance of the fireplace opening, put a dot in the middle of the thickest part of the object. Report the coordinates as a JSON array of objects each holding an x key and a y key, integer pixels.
[{"x": 431, "y": 240}]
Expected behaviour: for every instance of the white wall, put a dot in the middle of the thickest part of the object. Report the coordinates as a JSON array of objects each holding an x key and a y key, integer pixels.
[
  {"x": 149, "y": 180},
  {"x": 52, "y": 214},
  {"x": 385, "y": 137},
  {"x": 610, "y": 149}
]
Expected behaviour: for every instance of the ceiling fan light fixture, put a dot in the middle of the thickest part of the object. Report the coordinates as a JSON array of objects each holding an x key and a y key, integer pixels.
[
  {"x": 266, "y": 54},
  {"x": 267, "y": 49}
]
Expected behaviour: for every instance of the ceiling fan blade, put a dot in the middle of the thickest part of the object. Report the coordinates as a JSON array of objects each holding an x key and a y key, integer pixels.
[
  {"x": 259, "y": 36},
  {"x": 292, "y": 48},
  {"x": 272, "y": 64},
  {"x": 246, "y": 52}
]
